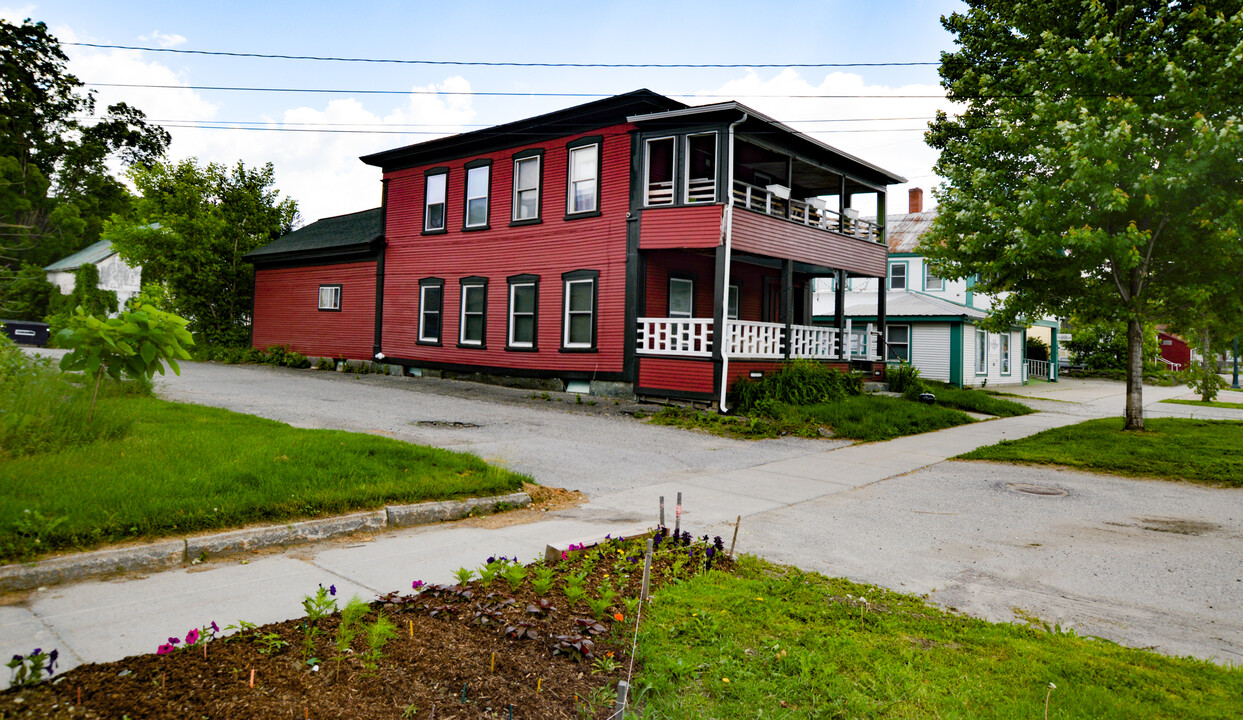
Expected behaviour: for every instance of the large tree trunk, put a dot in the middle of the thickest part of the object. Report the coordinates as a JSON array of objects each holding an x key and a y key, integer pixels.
[
  {"x": 1134, "y": 375},
  {"x": 1208, "y": 366}
]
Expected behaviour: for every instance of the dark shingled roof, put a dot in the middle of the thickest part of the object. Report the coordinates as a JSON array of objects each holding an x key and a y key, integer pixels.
[{"x": 330, "y": 238}]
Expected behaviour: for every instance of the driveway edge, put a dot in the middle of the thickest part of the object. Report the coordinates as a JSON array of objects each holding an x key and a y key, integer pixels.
[{"x": 166, "y": 554}]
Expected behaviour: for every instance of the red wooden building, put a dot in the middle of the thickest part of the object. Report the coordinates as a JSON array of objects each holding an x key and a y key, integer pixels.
[{"x": 608, "y": 243}]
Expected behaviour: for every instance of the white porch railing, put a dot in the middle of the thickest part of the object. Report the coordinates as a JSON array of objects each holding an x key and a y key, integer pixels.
[
  {"x": 1038, "y": 369},
  {"x": 757, "y": 198},
  {"x": 756, "y": 339},
  {"x": 682, "y": 337},
  {"x": 748, "y": 340}
]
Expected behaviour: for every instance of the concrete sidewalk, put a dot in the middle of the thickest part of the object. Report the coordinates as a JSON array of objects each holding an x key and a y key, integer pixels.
[{"x": 104, "y": 620}]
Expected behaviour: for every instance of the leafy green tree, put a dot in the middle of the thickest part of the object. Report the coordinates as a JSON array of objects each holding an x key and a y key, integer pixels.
[
  {"x": 1095, "y": 170},
  {"x": 193, "y": 225},
  {"x": 135, "y": 343},
  {"x": 55, "y": 187},
  {"x": 25, "y": 294}
]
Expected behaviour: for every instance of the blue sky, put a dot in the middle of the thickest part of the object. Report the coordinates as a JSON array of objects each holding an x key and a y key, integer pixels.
[{"x": 321, "y": 170}]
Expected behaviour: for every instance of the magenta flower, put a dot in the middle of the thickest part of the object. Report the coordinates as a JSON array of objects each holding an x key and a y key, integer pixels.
[
  {"x": 192, "y": 636},
  {"x": 173, "y": 641},
  {"x": 164, "y": 649},
  {"x": 416, "y": 584},
  {"x": 214, "y": 627}
]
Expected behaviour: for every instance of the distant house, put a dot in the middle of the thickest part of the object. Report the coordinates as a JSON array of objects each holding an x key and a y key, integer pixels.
[
  {"x": 932, "y": 322},
  {"x": 629, "y": 244},
  {"x": 114, "y": 273}
]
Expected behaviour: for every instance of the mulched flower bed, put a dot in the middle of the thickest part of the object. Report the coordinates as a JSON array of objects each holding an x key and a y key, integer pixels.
[{"x": 509, "y": 643}]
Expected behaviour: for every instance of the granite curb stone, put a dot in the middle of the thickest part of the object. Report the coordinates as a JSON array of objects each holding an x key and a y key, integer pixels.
[{"x": 172, "y": 553}]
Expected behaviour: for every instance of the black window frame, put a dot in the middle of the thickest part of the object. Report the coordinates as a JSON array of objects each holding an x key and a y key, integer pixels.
[
  {"x": 487, "y": 198},
  {"x": 570, "y": 147},
  {"x": 515, "y": 281},
  {"x": 575, "y": 276},
  {"x": 673, "y": 170},
  {"x": 427, "y": 177},
  {"x": 538, "y": 155},
  {"x": 473, "y": 281},
  {"x": 679, "y": 277},
  {"x": 320, "y": 298},
  {"x": 437, "y": 284}
]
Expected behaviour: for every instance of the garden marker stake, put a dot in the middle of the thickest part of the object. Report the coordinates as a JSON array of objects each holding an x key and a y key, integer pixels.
[
  {"x": 647, "y": 571},
  {"x": 677, "y": 516},
  {"x": 493, "y": 662},
  {"x": 620, "y": 706},
  {"x": 539, "y": 685},
  {"x": 662, "y": 511},
  {"x": 252, "y": 677},
  {"x": 411, "y": 629},
  {"x": 735, "y": 540}
]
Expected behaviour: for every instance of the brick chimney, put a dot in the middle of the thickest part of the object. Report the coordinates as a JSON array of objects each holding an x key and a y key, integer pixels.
[{"x": 917, "y": 200}]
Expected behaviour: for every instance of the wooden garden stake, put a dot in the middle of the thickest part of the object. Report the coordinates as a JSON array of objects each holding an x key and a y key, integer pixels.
[
  {"x": 620, "y": 706},
  {"x": 735, "y": 540},
  {"x": 677, "y": 516},
  {"x": 662, "y": 511},
  {"x": 252, "y": 677},
  {"x": 493, "y": 662},
  {"x": 539, "y": 685},
  {"x": 79, "y": 695},
  {"x": 411, "y": 629},
  {"x": 647, "y": 571}
]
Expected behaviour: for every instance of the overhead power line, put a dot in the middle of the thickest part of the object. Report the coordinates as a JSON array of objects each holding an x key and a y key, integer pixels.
[
  {"x": 477, "y": 63},
  {"x": 453, "y": 126},
  {"x": 237, "y": 88}
]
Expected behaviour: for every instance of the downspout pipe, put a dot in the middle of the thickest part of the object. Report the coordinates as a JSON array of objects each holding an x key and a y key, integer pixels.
[{"x": 729, "y": 233}]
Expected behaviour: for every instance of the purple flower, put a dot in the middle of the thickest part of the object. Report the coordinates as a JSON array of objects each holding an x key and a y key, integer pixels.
[
  {"x": 332, "y": 590},
  {"x": 416, "y": 584},
  {"x": 18, "y": 658},
  {"x": 36, "y": 651},
  {"x": 173, "y": 641},
  {"x": 491, "y": 559},
  {"x": 214, "y": 627},
  {"x": 51, "y": 661}
]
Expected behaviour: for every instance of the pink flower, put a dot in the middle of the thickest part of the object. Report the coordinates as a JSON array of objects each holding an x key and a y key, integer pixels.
[
  {"x": 164, "y": 649},
  {"x": 192, "y": 636}
]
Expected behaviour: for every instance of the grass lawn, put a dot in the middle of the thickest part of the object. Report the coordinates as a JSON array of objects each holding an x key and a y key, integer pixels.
[
  {"x": 1202, "y": 451},
  {"x": 979, "y": 401},
  {"x": 775, "y": 642},
  {"x": 859, "y": 417},
  {"x": 1211, "y": 403},
  {"x": 185, "y": 468}
]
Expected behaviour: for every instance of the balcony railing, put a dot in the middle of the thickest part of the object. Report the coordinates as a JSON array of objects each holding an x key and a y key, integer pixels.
[
  {"x": 749, "y": 340},
  {"x": 806, "y": 213}
]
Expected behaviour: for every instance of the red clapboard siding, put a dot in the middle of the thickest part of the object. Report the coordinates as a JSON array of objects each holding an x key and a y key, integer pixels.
[
  {"x": 548, "y": 249},
  {"x": 680, "y": 227},
  {"x": 748, "y": 278},
  {"x": 287, "y": 310},
  {"x": 675, "y": 375},
  {"x": 764, "y": 235}
]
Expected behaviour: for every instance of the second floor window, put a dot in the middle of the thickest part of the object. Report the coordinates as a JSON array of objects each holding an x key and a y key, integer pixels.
[
  {"x": 701, "y": 168},
  {"x": 477, "y": 196},
  {"x": 434, "y": 194},
  {"x": 584, "y": 178},
  {"x": 897, "y": 276},
  {"x": 660, "y": 171},
  {"x": 526, "y": 188},
  {"x": 932, "y": 282}
]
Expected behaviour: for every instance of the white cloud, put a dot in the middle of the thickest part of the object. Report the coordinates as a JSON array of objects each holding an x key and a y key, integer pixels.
[
  {"x": 16, "y": 14},
  {"x": 164, "y": 40},
  {"x": 887, "y": 143}
]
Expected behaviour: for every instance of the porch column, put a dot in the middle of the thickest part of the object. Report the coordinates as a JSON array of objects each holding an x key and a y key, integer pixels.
[
  {"x": 839, "y": 305},
  {"x": 843, "y": 202},
  {"x": 880, "y": 321},
  {"x": 880, "y": 215},
  {"x": 720, "y": 334},
  {"x": 787, "y": 302}
]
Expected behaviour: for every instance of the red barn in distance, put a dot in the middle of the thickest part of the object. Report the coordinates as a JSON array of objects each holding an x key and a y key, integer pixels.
[{"x": 631, "y": 244}]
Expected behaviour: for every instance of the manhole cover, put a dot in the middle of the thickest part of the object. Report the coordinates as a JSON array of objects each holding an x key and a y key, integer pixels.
[
  {"x": 446, "y": 424},
  {"x": 1037, "y": 489}
]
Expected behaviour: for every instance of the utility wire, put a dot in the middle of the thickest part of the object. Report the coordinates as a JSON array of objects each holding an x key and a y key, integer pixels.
[
  {"x": 281, "y": 123},
  {"x": 475, "y": 63}
]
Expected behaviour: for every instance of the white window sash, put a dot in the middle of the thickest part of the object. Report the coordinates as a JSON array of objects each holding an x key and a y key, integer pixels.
[
  {"x": 424, "y": 312},
  {"x": 514, "y": 314},
  {"x": 466, "y": 292},
  {"x": 590, "y": 181},
  {"x": 569, "y": 313},
  {"x": 689, "y": 286},
  {"x": 520, "y": 189},
  {"x": 477, "y": 189},
  {"x": 435, "y": 189}
]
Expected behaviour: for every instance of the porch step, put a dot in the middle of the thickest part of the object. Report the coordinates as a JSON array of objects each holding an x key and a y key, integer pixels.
[{"x": 875, "y": 387}]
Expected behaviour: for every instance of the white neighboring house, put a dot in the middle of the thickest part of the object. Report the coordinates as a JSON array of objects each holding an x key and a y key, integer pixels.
[
  {"x": 932, "y": 322},
  {"x": 114, "y": 273}
]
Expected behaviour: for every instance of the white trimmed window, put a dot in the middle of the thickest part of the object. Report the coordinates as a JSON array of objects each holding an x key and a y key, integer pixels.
[
  {"x": 898, "y": 342},
  {"x": 431, "y": 295},
  {"x": 681, "y": 298},
  {"x": 477, "y": 196},
  {"x": 329, "y": 297},
  {"x": 584, "y": 179},
  {"x": 474, "y": 305},
  {"x": 981, "y": 352},
  {"x": 1004, "y": 352},
  {"x": 434, "y": 202},
  {"x": 660, "y": 164},
  {"x": 932, "y": 282},
  {"x": 701, "y": 168},
  {"x": 580, "y": 313},
  {"x": 522, "y": 314},
  {"x": 731, "y": 303},
  {"x": 526, "y": 188}
]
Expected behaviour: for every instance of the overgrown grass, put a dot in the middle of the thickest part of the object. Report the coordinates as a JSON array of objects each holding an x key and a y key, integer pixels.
[
  {"x": 777, "y": 642},
  {"x": 861, "y": 417},
  {"x": 1201, "y": 451},
  {"x": 975, "y": 400},
  {"x": 1211, "y": 403},
  {"x": 42, "y": 408},
  {"x": 184, "y": 468}
]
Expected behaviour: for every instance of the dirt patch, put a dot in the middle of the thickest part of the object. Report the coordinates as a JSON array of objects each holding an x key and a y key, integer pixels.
[
  {"x": 543, "y": 500},
  {"x": 1178, "y": 526}
]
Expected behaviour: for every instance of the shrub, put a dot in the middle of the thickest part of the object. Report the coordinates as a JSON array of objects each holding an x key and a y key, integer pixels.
[
  {"x": 798, "y": 382},
  {"x": 1037, "y": 349},
  {"x": 904, "y": 378}
]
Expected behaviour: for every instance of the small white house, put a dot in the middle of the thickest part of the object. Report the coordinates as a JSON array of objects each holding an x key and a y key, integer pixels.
[
  {"x": 932, "y": 322},
  {"x": 114, "y": 273}
]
